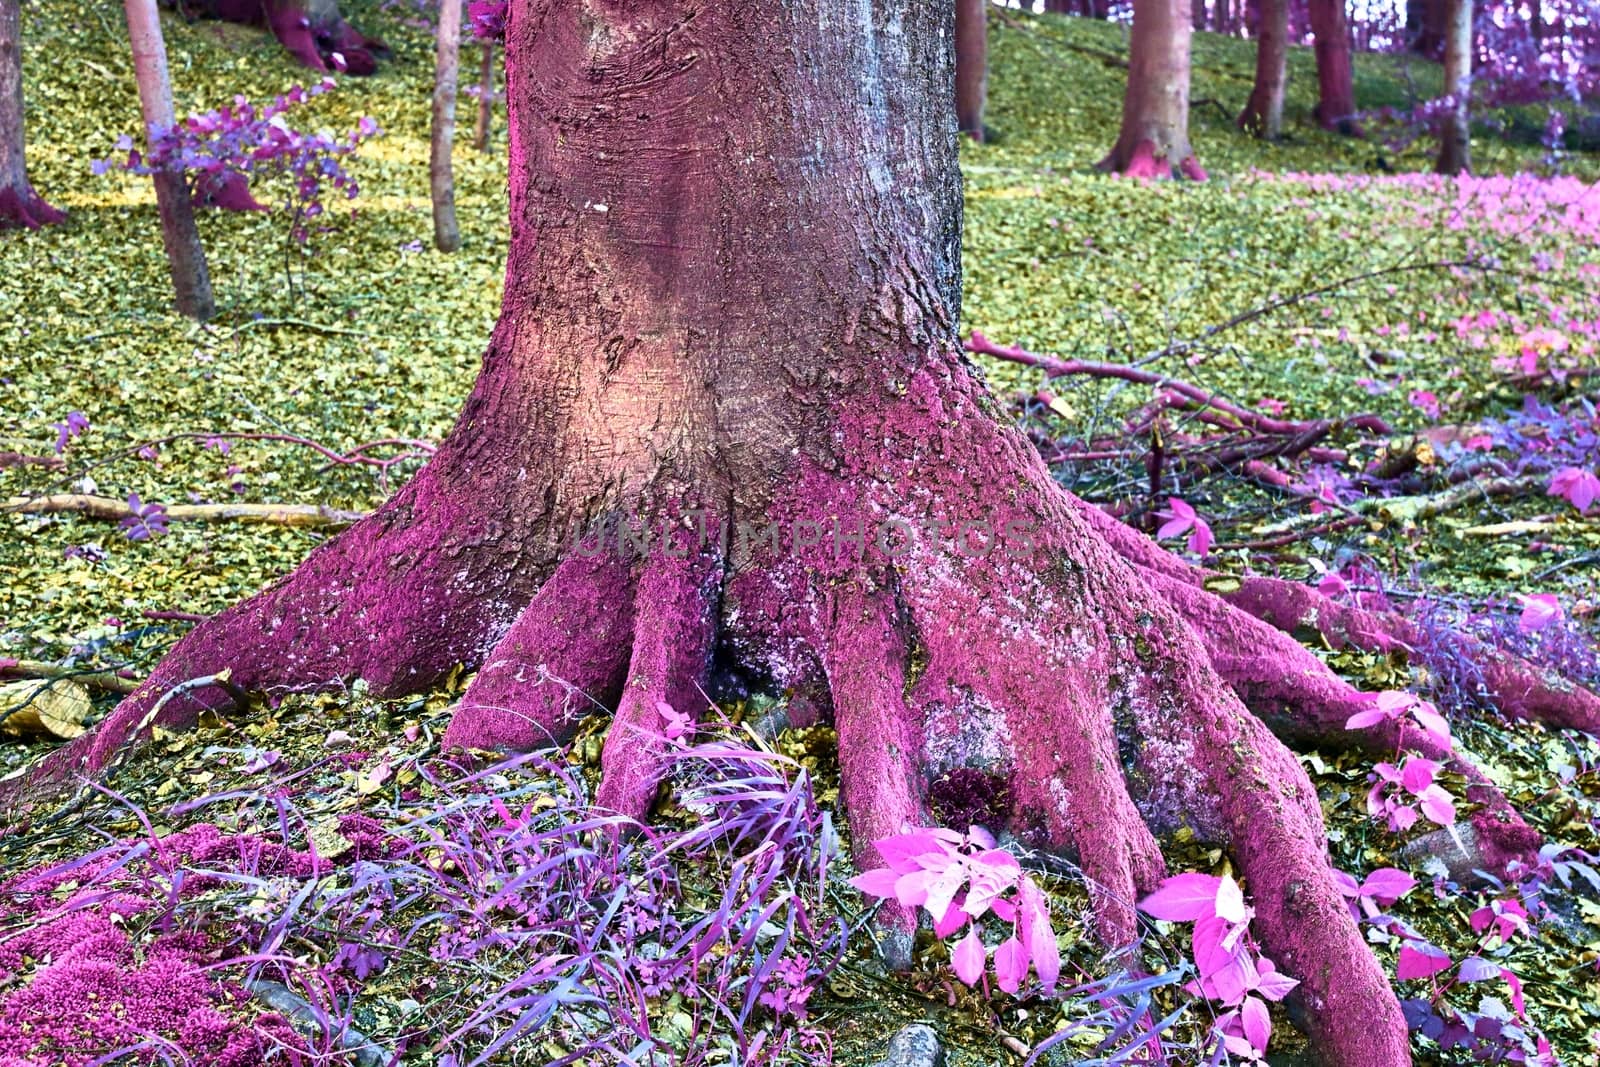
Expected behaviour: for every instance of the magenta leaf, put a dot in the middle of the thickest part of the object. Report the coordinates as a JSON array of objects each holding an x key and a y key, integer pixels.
[
  {"x": 1578, "y": 487},
  {"x": 1478, "y": 969},
  {"x": 877, "y": 883},
  {"x": 1183, "y": 898},
  {"x": 1273, "y": 983},
  {"x": 1387, "y": 885},
  {"x": 1033, "y": 928},
  {"x": 1010, "y": 964},
  {"x": 1538, "y": 611},
  {"x": 1257, "y": 1023},
  {"x": 1418, "y": 959},
  {"x": 968, "y": 958},
  {"x": 1437, "y": 805}
]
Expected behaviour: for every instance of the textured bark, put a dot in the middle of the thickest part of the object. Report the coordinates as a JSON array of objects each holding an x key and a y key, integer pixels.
[
  {"x": 480, "y": 136},
  {"x": 1455, "y": 130},
  {"x": 1154, "y": 139},
  {"x": 972, "y": 65},
  {"x": 19, "y": 204},
  {"x": 186, "y": 257},
  {"x": 1336, "y": 94},
  {"x": 313, "y": 31},
  {"x": 1263, "y": 112},
  {"x": 441, "y": 174},
  {"x": 724, "y": 415}
]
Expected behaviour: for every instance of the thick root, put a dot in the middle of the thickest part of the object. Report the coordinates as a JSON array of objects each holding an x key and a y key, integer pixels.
[
  {"x": 397, "y": 600},
  {"x": 25, "y": 209},
  {"x": 563, "y": 658},
  {"x": 675, "y": 614}
]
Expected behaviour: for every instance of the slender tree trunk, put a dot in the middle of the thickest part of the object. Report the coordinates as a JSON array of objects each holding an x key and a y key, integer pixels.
[
  {"x": 1197, "y": 13},
  {"x": 480, "y": 139},
  {"x": 1263, "y": 113},
  {"x": 19, "y": 204},
  {"x": 972, "y": 65},
  {"x": 1455, "y": 133},
  {"x": 1223, "y": 22},
  {"x": 1154, "y": 139},
  {"x": 1336, "y": 94},
  {"x": 441, "y": 174},
  {"x": 1061, "y": 7},
  {"x": 186, "y": 256}
]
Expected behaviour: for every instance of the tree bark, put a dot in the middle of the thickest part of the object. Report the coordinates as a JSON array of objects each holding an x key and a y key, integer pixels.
[
  {"x": 1263, "y": 112},
  {"x": 1429, "y": 17},
  {"x": 186, "y": 257},
  {"x": 1336, "y": 94},
  {"x": 19, "y": 204},
  {"x": 724, "y": 416},
  {"x": 1154, "y": 139},
  {"x": 480, "y": 137},
  {"x": 1455, "y": 130},
  {"x": 972, "y": 65},
  {"x": 441, "y": 173}
]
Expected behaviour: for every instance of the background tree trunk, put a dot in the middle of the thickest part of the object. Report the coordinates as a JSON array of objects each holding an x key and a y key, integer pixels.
[
  {"x": 480, "y": 137},
  {"x": 19, "y": 204},
  {"x": 1155, "y": 110},
  {"x": 1336, "y": 94},
  {"x": 186, "y": 257},
  {"x": 1455, "y": 132},
  {"x": 441, "y": 173},
  {"x": 1263, "y": 112},
  {"x": 972, "y": 65},
  {"x": 1433, "y": 16}
]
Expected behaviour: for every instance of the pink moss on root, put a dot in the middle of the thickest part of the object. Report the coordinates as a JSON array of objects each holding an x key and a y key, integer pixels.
[
  {"x": 23, "y": 208},
  {"x": 79, "y": 985}
]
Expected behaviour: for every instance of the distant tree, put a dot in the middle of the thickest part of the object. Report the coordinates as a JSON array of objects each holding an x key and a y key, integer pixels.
[
  {"x": 1455, "y": 134},
  {"x": 1425, "y": 26},
  {"x": 972, "y": 65},
  {"x": 1154, "y": 139},
  {"x": 1263, "y": 112},
  {"x": 1336, "y": 94},
  {"x": 313, "y": 31},
  {"x": 480, "y": 136},
  {"x": 441, "y": 173},
  {"x": 19, "y": 204},
  {"x": 186, "y": 257}
]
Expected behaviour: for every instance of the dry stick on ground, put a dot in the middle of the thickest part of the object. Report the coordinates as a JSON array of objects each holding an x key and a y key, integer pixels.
[
  {"x": 108, "y": 681},
  {"x": 22, "y": 459},
  {"x": 111, "y": 509}
]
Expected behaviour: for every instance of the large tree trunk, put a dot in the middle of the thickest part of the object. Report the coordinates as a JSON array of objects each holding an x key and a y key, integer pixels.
[
  {"x": 1336, "y": 94},
  {"x": 1263, "y": 112},
  {"x": 441, "y": 172},
  {"x": 972, "y": 65},
  {"x": 724, "y": 414},
  {"x": 1455, "y": 133},
  {"x": 1155, "y": 110},
  {"x": 19, "y": 204},
  {"x": 186, "y": 257}
]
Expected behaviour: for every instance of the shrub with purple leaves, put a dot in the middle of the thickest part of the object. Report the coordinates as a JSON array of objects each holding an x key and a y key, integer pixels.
[
  {"x": 608, "y": 940},
  {"x": 221, "y": 152}
]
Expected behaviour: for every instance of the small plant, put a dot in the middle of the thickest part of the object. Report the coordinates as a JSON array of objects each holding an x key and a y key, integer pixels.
[
  {"x": 958, "y": 879},
  {"x": 1232, "y": 971},
  {"x": 223, "y": 150},
  {"x": 1181, "y": 518}
]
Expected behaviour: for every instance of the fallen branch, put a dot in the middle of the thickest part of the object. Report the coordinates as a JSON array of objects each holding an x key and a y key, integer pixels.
[
  {"x": 305, "y": 516},
  {"x": 22, "y": 459},
  {"x": 108, "y": 681}
]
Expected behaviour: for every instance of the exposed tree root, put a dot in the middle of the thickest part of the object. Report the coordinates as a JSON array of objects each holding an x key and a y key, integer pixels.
[
  {"x": 111, "y": 509},
  {"x": 26, "y": 209},
  {"x": 312, "y": 31},
  {"x": 975, "y": 627}
]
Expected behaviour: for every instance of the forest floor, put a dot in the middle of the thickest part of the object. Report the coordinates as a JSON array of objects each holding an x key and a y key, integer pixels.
[{"x": 1307, "y": 280}]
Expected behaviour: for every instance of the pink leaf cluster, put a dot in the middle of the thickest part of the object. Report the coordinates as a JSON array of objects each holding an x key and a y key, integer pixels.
[
  {"x": 1232, "y": 970},
  {"x": 1578, "y": 487},
  {"x": 1416, "y": 789},
  {"x": 1538, "y": 611},
  {"x": 1508, "y": 918},
  {"x": 1180, "y": 518},
  {"x": 1379, "y": 890},
  {"x": 1391, "y": 705},
  {"x": 958, "y": 879}
]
